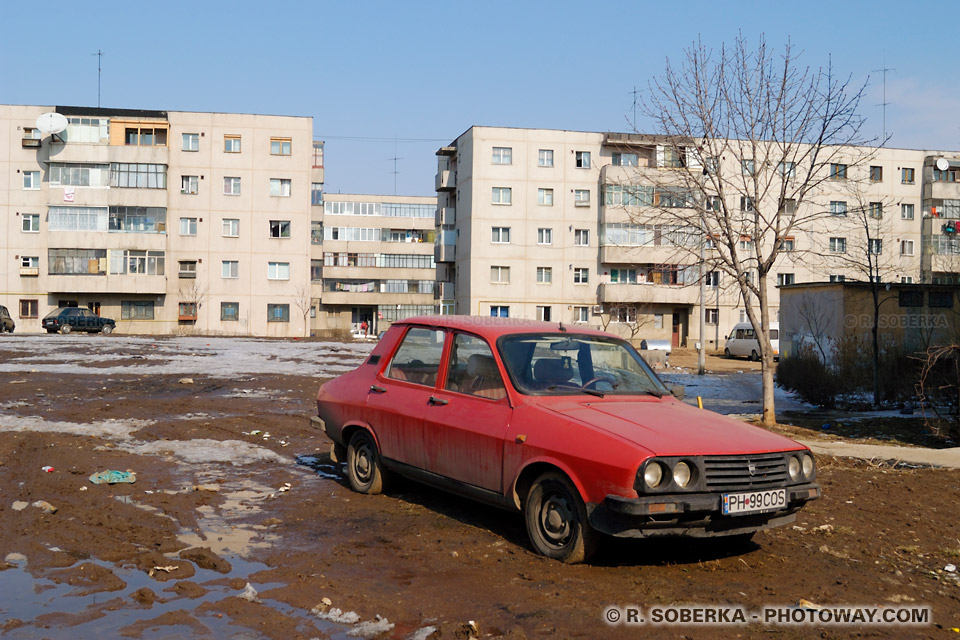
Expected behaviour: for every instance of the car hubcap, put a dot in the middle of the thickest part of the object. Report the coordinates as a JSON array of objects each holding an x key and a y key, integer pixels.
[
  {"x": 556, "y": 517},
  {"x": 362, "y": 464}
]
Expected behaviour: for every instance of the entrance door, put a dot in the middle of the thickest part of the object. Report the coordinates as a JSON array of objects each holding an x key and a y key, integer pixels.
[{"x": 675, "y": 338}]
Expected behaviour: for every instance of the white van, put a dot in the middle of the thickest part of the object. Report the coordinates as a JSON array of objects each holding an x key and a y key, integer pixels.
[{"x": 743, "y": 342}]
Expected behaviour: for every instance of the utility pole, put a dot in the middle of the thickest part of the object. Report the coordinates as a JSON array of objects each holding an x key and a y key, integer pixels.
[{"x": 99, "y": 55}]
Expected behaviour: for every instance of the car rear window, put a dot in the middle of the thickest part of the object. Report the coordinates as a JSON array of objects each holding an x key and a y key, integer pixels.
[{"x": 418, "y": 358}]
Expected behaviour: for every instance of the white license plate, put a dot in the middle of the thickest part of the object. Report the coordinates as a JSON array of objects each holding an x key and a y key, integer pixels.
[{"x": 754, "y": 501}]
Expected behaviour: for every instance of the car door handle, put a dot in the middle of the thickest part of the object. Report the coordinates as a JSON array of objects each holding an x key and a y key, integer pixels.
[
  {"x": 435, "y": 400},
  {"x": 377, "y": 389}
]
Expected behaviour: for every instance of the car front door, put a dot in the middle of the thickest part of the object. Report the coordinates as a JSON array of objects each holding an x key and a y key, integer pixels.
[
  {"x": 466, "y": 420},
  {"x": 398, "y": 398}
]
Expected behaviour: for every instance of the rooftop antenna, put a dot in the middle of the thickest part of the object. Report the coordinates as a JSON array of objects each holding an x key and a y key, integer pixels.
[
  {"x": 634, "y": 93},
  {"x": 884, "y": 103},
  {"x": 99, "y": 55},
  {"x": 395, "y": 171}
]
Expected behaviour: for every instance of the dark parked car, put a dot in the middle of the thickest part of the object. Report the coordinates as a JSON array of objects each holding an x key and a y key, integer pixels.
[
  {"x": 67, "y": 319},
  {"x": 6, "y": 322}
]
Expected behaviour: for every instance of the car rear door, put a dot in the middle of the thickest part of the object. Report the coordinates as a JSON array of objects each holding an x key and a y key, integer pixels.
[{"x": 467, "y": 418}]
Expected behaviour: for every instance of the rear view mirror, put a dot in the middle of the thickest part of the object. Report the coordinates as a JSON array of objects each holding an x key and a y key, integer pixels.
[{"x": 678, "y": 391}]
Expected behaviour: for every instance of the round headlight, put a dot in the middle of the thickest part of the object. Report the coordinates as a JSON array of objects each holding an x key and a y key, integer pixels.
[
  {"x": 653, "y": 475},
  {"x": 793, "y": 468},
  {"x": 682, "y": 474},
  {"x": 808, "y": 467}
]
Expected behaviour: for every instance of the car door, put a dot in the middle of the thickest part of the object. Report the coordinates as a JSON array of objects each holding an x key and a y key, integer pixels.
[
  {"x": 398, "y": 399},
  {"x": 467, "y": 418},
  {"x": 88, "y": 320}
]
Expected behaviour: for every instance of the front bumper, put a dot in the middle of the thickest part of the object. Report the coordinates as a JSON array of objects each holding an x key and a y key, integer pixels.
[{"x": 696, "y": 515}]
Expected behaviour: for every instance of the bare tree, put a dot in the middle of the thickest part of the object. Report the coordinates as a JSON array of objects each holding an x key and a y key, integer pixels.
[
  {"x": 304, "y": 303},
  {"x": 193, "y": 294},
  {"x": 816, "y": 317},
  {"x": 750, "y": 136},
  {"x": 631, "y": 317}
]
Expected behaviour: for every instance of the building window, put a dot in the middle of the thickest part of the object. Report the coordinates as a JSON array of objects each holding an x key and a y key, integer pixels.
[
  {"x": 876, "y": 246},
  {"x": 712, "y": 279},
  {"x": 788, "y": 244},
  {"x": 838, "y": 278},
  {"x": 838, "y": 245},
  {"x": 787, "y": 170},
  {"x": 545, "y": 158},
  {"x": 712, "y": 316},
  {"x": 907, "y": 175},
  {"x": 278, "y": 313},
  {"x": 231, "y": 186},
  {"x": 876, "y": 210},
  {"x": 713, "y": 203},
  {"x": 545, "y": 197},
  {"x": 581, "y": 275},
  {"x": 190, "y": 185},
  {"x": 906, "y": 212},
  {"x": 230, "y": 269},
  {"x": 748, "y": 167},
  {"x": 581, "y": 314},
  {"x": 906, "y": 247},
  {"x": 746, "y": 243},
  {"x": 625, "y": 160},
  {"x": 280, "y": 187},
  {"x": 906, "y": 279},
  {"x": 190, "y": 142},
  {"x": 582, "y": 159},
  {"x": 279, "y": 228},
  {"x": 231, "y": 228},
  {"x": 29, "y": 262},
  {"x": 187, "y": 312},
  {"x": 316, "y": 193},
  {"x": 188, "y": 226},
  {"x": 746, "y": 203},
  {"x": 316, "y": 270},
  {"x": 74, "y": 174},
  {"x": 500, "y": 275},
  {"x": 543, "y": 313},
  {"x": 29, "y": 308},
  {"x": 499, "y": 311},
  {"x": 145, "y": 136},
  {"x": 134, "y": 175},
  {"x": 789, "y": 207},
  {"x": 231, "y": 144},
  {"x": 229, "y": 311},
  {"x": 30, "y": 222},
  {"x": 838, "y": 171},
  {"x": 500, "y": 235},
  {"x": 187, "y": 269},
  {"x": 838, "y": 208},
  {"x": 280, "y": 146},
  {"x": 876, "y": 174},
  {"x": 278, "y": 271},
  {"x": 581, "y": 237},
  {"x": 784, "y": 278},
  {"x": 502, "y": 155},
  {"x": 502, "y": 195},
  {"x": 910, "y": 298},
  {"x": 544, "y": 275},
  {"x": 581, "y": 197},
  {"x": 544, "y": 236},
  {"x": 136, "y": 310},
  {"x": 31, "y": 180}
]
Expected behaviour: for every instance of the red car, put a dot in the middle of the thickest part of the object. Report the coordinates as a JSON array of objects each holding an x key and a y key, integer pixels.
[{"x": 567, "y": 424}]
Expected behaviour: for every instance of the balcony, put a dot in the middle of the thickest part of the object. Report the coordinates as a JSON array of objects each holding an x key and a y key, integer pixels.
[
  {"x": 446, "y": 180},
  {"x": 29, "y": 272},
  {"x": 446, "y": 216},
  {"x": 646, "y": 293},
  {"x": 30, "y": 143},
  {"x": 444, "y": 252},
  {"x": 103, "y": 284},
  {"x": 443, "y": 291}
]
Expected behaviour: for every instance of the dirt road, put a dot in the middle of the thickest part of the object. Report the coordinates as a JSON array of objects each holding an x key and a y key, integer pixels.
[{"x": 213, "y": 429}]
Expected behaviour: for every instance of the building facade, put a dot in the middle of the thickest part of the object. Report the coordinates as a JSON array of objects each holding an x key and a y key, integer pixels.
[
  {"x": 165, "y": 221},
  {"x": 372, "y": 261},
  {"x": 558, "y": 225}
]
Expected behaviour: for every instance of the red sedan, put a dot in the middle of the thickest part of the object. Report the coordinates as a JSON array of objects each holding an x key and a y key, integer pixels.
[{"x": 566, "y": 424}]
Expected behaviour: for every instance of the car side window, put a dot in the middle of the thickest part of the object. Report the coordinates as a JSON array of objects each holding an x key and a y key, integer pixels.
[
  {"x": 418, "y": 358},
  {"x": 473, "y": 369},
  {"x": 739, "y": 334},
  {"x": 748, "y": 334}
]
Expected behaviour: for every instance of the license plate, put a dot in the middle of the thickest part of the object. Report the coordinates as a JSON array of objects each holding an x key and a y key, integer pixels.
[{"x": 754, "y": 501}]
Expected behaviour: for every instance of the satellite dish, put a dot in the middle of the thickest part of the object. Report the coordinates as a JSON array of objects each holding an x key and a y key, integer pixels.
[
  {"x": 51, "y": 123},
  {"x": 943, "y": 164}
]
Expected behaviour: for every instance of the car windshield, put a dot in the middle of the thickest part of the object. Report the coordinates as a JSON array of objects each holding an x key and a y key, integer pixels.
[{"x": 564, "y": 364}]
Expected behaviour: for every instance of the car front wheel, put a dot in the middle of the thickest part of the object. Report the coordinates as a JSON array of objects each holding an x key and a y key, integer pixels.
[
  {"x": 726, "y": 353},
  {"x": 364, "y": 470},
  {"x": 556, "y": 520},
  {"x": 65, "y": 328},
  {"x": 106, "y": 330}
]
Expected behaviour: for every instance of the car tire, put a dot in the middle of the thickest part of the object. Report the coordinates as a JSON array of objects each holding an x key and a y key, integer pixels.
[
  {"x": 364, "y": 469},
  {"x": 556, "y": 520},
  {"x": 51, "y": 330},
  {"x": 66, "y": 329},
  {"x": 106, "y": 330},
  {"x": 727, "y": 354},
  {"x": 754, "y": 356}
]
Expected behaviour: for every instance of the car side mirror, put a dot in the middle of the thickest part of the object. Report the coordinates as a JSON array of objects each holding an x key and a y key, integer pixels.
[{"x": 678, "y": 391}]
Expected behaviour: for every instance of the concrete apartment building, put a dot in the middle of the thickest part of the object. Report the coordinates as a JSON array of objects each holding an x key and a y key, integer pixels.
[
  {"x": 372, "y": 261},
  {"x": 535, "y": 223},
  {"x": 165, "y": 221}
]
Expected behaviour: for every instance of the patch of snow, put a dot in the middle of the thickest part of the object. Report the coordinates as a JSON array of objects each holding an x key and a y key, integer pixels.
[
  {"x": 337, "y": 615},
  {"x": 205, "y": 450},
  {"x": 370, "y": 628},
  {"x": 111, "y": 429}
]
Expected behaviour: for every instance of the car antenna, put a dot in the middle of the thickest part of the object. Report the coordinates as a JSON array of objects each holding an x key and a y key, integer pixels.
[{"x": 562, "y": 328}]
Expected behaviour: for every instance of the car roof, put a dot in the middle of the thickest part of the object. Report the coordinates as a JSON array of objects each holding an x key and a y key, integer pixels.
[{"x": 492, "y": 328}]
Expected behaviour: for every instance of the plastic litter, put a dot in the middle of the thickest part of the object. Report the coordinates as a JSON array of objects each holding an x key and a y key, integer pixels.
[
  {"x": 950, "y": 568},
  {"x": 249, "y": 593},
  {"x": 113, "y": 477},
  {"x": 47, "y": 468}
]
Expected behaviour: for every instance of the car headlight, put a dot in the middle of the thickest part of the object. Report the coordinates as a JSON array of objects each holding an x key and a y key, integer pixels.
[
  {"x": 808, "y": 466},
  {"x": 682, "y": 474},
  {"x": 793, "y": 468},
  {"x": 653, "y": 475}
]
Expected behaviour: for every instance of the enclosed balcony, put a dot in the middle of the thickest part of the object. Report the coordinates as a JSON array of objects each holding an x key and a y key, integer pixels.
[
  {"x": 446, "y": 216},
  {"x": 446, "y": 180},
  {"x": 444, "y": 291}
]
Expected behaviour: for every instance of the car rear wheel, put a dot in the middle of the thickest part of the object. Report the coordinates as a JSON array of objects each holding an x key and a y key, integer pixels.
[
  {"x": 557, "y": 520},
  {"x": 364, "y": 470},
  {"x": 65, "y": 328},
  {"x": 106, "y": 330}
]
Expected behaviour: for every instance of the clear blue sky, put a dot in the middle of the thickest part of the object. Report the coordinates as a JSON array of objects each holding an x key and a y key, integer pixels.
[{"x": 421, "y": 73}]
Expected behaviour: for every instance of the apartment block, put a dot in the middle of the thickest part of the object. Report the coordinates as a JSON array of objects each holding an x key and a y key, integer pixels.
[
  {"x": 165, "y": 221},
  {"x": 372, "y": 261},
  {"x": 568, "y": 226}
]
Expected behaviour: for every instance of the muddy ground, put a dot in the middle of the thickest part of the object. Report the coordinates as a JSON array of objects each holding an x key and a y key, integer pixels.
[{"x": 220, "y": 502}]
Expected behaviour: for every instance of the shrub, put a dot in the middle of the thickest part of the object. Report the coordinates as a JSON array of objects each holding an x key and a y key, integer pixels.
[{"x": 809, "y": 377}]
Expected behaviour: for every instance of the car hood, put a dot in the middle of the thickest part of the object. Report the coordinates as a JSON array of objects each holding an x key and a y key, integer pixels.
[{"x": 668, "y": 427}]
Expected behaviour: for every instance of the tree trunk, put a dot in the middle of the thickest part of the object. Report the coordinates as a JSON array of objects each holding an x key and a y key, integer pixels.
[{"x": 769, "y": 417}]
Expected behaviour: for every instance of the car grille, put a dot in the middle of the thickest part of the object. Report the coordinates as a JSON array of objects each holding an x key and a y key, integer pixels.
[{"x": 733, "y": 473}]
